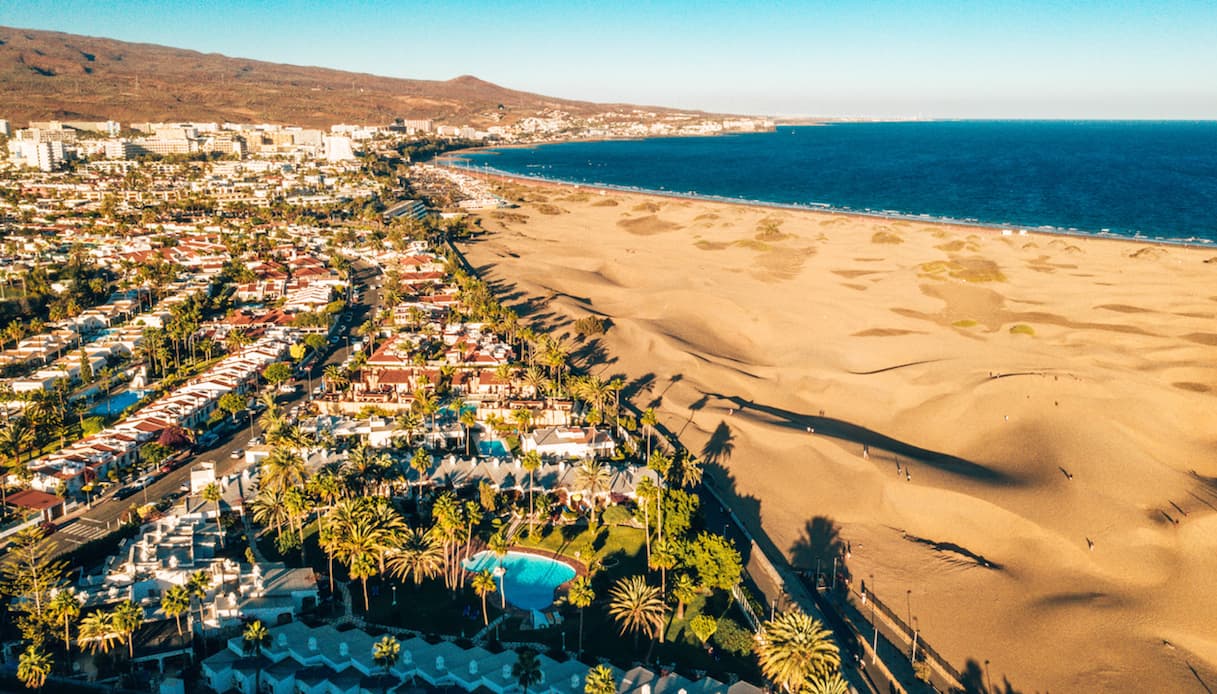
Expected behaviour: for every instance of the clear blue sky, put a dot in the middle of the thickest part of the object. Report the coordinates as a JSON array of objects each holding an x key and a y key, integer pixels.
[{"x": 944, "y": 58}]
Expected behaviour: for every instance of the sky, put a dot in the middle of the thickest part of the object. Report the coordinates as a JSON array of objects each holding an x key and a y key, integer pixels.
[{"x": 1153, "y": 59}]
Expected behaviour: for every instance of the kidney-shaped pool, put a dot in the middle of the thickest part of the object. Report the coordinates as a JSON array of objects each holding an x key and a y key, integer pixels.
[{"x": 527, "y": 580}]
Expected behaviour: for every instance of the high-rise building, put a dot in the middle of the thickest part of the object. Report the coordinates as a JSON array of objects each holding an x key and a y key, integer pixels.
[{"x": 338, "y": 149}]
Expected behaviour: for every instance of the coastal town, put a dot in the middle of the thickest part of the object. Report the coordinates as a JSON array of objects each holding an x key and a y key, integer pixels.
[{"x": 265, "y": 429}]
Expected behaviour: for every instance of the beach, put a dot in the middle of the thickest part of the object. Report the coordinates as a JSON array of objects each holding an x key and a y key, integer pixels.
[{"x": 1049, "y": 401}]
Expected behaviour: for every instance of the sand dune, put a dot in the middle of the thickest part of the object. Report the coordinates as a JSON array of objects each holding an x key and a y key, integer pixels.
[{"x": 1041, "y": 392}]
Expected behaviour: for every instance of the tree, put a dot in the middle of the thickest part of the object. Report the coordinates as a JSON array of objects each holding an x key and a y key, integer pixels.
[
  {"x": 638, "y": 607},
  {"x": 600, "y": 680},
  {"x": 592, "y": 477},
  {"x": 793, "y": 648},
  {"x": 175, "y": 602},
  {"x": 97, "y": 633},
  {"x": 127, "y": 618},
  {"x": 527, "y": 668},
  {"x": 386, "y": 653},
  {"x": 483, "y": 585},
  {"x": 648, "y": 421},
  {"x": 418, "y": 556},
  {"x": 65, "y": 606},
  {"x": 703, "y": 627},
  {"x": 232, "y": 403},
  {"x": 829, "y": 684},
  {"x": 212, "y": 494},
  {"x": 715, "y": 560},
  {"x": 531, "y": 462},
  {"x": 197, "y": 585},
  {"x": 34, "y": 666},
  {"x": 581, "y": 595},
  {"x": 468, "y": 419},
  {"x": 684, "y": 590},
  {"x": 255, "y": 638},
  {"x": 29, "y": 571},
  {"x": 277, "y": 373}
]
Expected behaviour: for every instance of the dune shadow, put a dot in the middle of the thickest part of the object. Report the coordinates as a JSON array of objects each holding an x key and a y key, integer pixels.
[{"x": 835, "y": 428}]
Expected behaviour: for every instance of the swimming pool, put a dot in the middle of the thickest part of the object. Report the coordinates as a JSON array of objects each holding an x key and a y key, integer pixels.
[
  {"x": 494, "y": 448},
  {"x": 115, "y": 404},
  {"x": 529, "y": 581}
]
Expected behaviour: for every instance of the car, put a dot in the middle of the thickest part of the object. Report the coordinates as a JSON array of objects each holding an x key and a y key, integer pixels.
[
  {"x": 256, "y": 441},
  {"x": 124, "y": 492},
  {"x": 238, "y": 453},
  {"x": 184, "y": 488}
]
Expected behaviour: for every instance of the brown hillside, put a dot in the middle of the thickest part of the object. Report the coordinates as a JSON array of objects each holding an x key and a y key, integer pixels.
[{"x": 52, "y": 75}]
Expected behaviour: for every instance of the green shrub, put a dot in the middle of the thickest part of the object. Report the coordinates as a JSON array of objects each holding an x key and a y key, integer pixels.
[
  {"x": 1022, "y": 329},
  {"x": 617, "y": 515},
  {"x": 733, "y": 638},
  {"x": 965, "y": 323}
]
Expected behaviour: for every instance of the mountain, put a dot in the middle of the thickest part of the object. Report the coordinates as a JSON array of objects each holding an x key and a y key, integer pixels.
[{"x": 51, "y": 75}]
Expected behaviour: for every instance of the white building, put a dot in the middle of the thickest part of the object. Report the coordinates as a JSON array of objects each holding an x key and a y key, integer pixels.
[
  {"x": 569, "y": 442},
  {"x": 324, "y": 660},
  {"x": 338, "y": 148}
]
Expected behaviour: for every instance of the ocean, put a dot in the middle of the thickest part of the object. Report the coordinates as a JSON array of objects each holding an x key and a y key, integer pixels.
[{"x": 1151, "y": 180}]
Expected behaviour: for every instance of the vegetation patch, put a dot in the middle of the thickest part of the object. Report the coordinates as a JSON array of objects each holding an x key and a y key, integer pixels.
[
  {"x": 647, "y": 226},
  {"x": 1022, "y": 329},
  {"x": 590, "y": 325},
  {"x": 606, "y": 202},
  {"x": 966, "y": 269},
  {"x": 753, "y": 244},
  {"x": 768, "y": 230},
  {"x": 965, "y": 323},
  {"x": 711, "y": 245},
  {"x": 884, "y": 236},
  {"x": 509, "y": 217},
  {"x": 549, "y": 209},
  {"x": 647, "y": 206}
]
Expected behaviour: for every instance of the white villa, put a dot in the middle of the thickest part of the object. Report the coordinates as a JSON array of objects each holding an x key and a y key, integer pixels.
[
  {"x": 569, "y": 442},
  {"x": 170, "y": 550},
  {"x": 324, "y": 660}
]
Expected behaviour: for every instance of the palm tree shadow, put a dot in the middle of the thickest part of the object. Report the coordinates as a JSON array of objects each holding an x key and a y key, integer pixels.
[
  {"x": 976, "y": 681},
  {"x": 720, "y": 446},
  {"x": 818, "y": 546}
]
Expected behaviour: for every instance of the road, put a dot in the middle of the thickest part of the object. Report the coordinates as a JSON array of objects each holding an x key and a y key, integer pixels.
[{"x": 106, "y": 512}]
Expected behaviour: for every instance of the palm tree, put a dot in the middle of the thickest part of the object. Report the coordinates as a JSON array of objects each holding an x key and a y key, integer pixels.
[
  {"x": 662, "y": 558},
  {"x": 600, "y": 680},
  {"x": 335, "y": 377},
  {"x": 420, "y": 462},
  {"x": 638, "y": 607},
  {"x": 213, "y": 494},
  {"x": 127, "y": 618},
  {"x": 830, "y": 684},
  {"x": 175, "y": 602},
  {"x": 793, "y": 648},
  {"x": 483, "y": 584},
  {"x": 197, "y": 585},
  {"x": 468, "y": 419},
  {"x": 527, "y": 669},
  {"x": 648, "y": 421},
  {"x": 592, "y": 477},
  {"x": 661, "y": 465},
  {"x": 386, "y": 653},
  {"x": 66, "y": 606},
  {"x": 684, "y": 590},
  {"x": 531, "y": 462},
  {"x": 255, "y": 638},
  {"x": 283, "y": 468},
  {"x": 96, "y": 632},
  {"x": 34, "y": 666},
  {"x": 581, "y": 595},
  {"x": 418, "y": 556},
  {"x": 358, "y": 544}
]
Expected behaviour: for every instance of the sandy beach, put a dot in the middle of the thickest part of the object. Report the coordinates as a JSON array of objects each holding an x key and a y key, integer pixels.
[{"x": 1050, "y": 401}]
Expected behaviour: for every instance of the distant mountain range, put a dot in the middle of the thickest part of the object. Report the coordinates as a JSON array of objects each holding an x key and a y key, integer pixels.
[{"x": 47, "y": 75}]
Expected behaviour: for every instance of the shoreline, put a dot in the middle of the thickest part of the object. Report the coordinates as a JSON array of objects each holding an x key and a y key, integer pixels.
[{"x": 453, "y": 160}]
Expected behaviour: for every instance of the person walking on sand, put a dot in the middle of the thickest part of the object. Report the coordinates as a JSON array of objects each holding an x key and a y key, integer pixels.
[
  {"x": 908, "y": 476},
  {"x": 1090, "y": 544},
  {"x": 865, "y": 452}
]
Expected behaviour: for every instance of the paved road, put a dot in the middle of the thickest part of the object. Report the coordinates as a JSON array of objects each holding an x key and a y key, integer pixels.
[{"x": 106, "y": 512}]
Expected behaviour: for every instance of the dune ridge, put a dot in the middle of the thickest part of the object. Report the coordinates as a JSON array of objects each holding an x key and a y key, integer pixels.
[{"x": 1050, "y": 402}]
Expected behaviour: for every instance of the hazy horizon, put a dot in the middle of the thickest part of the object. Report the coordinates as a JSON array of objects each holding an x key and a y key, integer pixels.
[{"x": 934, "y": 60}]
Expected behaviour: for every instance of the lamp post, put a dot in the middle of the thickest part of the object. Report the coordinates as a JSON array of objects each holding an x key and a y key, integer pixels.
[{"x": 395, "y": 595}]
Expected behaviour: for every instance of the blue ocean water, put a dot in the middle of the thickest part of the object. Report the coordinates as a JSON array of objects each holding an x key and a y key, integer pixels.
[
  {"x": 529, "y": 581},
  {"x": 1156, "y": 180}
]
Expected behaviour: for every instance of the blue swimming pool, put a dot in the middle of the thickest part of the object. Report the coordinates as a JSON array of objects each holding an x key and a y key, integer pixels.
[
  {"x": 115, "y": 404},
  {"x": 494, "y": 448},
  {"x": 529, "y": 581}
]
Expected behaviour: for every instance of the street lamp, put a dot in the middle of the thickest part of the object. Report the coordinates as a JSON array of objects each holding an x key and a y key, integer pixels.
[{"x": 394, "y": 595}]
